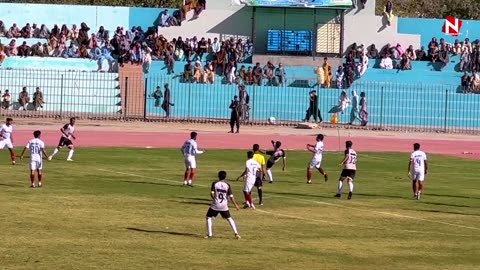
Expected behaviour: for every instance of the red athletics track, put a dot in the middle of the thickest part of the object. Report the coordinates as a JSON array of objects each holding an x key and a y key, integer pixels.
[{"x": 96, "y": 138}]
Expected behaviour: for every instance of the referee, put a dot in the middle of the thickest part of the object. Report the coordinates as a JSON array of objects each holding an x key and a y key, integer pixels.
[
  {"x": 258, "y": 157},
  {"x": 234, "y": 121}
]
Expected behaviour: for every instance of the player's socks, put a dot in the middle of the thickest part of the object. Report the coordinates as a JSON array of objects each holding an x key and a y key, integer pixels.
[
  {"x": 340, "y": 186},
  {"x": 249, "y": 199},
  {"x": 350, "y": 195},
  {"x": 269, "y": 174},
  {"x": 209, "y": 226},
  {"x": 325, "y": 176},
  {"x": 191, "y": 177},
  {"x": 245, "y": 195},
  {"x": 185, "y": 177},
  {"x": 309, "y": 176},
  {"x": 40, "y": 180},
  {"x": 32, "y": 180},
  {"x": 70, "y": 154},
  {"x": 185, "y": 182},
  {"x": 54, "y": 152},
  {"x": 260, "y": 196},
  {"x": 189, "y": 182},
  {"x": 350, "y": 186},
  {"x": 232, "y": 225}
]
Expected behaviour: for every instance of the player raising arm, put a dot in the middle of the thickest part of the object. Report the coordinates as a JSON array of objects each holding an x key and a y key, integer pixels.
[
  {"x": 251, "y": 174},
  {"x": 220, "y": 193},
  {"x": 316, "y": 161},
  {"x": 275, "y": 155},
  {"x": 349, "y": 164},
  {"x": 6, "y": 138},
  {"x": 37, "y": 153},
  {"x": 67, "y": 131},
  {"x": 190, "y": 151},
  {"x": 417, "y": 169}
]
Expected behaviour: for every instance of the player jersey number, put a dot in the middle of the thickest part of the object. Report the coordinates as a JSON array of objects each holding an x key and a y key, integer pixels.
[
  {"x": 352, "y": 159},
  {"x": 220, "y": 197},
  {"x": 418, "y": 162},
  {"x": 35, "y": 149}
]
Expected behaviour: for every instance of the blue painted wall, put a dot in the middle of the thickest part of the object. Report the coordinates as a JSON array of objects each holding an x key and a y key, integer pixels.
[
  {"x": 95, "y": 16},
  {"x": 428, "y": 28}
]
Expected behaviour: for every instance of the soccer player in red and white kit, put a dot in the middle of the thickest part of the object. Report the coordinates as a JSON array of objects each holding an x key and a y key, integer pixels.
[
  {"x": 275, "y": 155},
  {"x": 68, "y": 131},
  {"x": 349, "y": 164},
  {"x": 221, "y": 192},
  {"x": 316, "y": 161},
  {"x": 417, "y": 169},
  {"x": 190, "y": 151},
  {"x": 37, "y": 152},
  {"x": 6, "y": 138},
  {"x": 251, "y": 173}
]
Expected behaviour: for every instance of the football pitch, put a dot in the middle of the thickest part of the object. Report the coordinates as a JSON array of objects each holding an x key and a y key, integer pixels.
[{"x": 123, "y": 208}]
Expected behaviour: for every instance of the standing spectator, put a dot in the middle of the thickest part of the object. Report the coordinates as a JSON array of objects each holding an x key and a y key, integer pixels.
[
  {"x": 197, "y": 72},
  {"x": 474, "y": 81},
  {"x": 464, "y": 59},
  {"x": 215, "y": 46},
  {"x": 343, "y": 102},
  {"x": 280, "y": 75},
  {"x": 313, "y": 108},
  {"x": 363, "y": 109},
  {"x": 327, "y": 72},
  {"x": 38, "y": 99},
  {"x": 349, "y": 76},
  {"x": 221, "y": 60},
  {"x": 3, "y": 30},
  {"x": 6, "y": 99},
  {"x": 465, "y": 82},
  {"x": 231, "y": 72},
  {"x": 83, "y": 34},
  {"x": 339, "y": 77},
  {"x": 169, "y": 59},
  {"x": 410, "y": 53},
  {"x": 23, "y": 98},
  {"x": 257, "y": 74},
  {"x": 202, "y": 48},
  {"x": 268, "y": 73},
  {"x": 208, "y": 74},
  {"x": 157, "y": 95},
  {"x": 234, "y": 119},
  {"x": 188, "y": 72},
  {"x": 388, "y": 12},
  {"x": 354, "y": 113},
  {"x": 166, "y": 101},
  {"x": 362, "y": 65}
]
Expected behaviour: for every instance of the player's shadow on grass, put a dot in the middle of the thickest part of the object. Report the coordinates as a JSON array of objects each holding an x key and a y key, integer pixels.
[
  {"x": 151, "y": 183},
  {"x": 164, "y": 232},
  {"x": 453, "y": 196},
  {"x": 189, "y": 202},
  {"x": 9, "y": 185},
  {"x": 298, "y": 194},
  {"x": 445, "y": 204},
  {"x": 198, "y": 201},
  {"x": 380, "y": 195}
]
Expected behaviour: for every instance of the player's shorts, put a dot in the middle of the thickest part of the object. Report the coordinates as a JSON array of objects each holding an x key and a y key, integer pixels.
[
  {"x": 6, "y": 142},
  {"x": 270, "y": 164},
  {"x": 36, "y": 165},
  {"x": 214, "y": 213},
  {"x": 348, "y": 173},
  {"x": 64, "y": 142},
  {"x": 190, "y": 162},
  {"x": 417, "y": 176},
  {"x": 249, "y": 184},
  {"x": 315, "y": 163}
]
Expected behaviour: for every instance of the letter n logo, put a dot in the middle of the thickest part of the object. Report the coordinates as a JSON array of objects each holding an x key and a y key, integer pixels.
[{"x": 451, "y": 26}]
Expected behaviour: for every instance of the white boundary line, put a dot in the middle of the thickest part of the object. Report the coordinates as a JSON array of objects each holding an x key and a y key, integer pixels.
[{"x": 318, "y": 202}]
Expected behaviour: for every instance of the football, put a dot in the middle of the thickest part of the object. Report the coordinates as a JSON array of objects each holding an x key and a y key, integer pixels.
[{"x": 271, "y": 120}]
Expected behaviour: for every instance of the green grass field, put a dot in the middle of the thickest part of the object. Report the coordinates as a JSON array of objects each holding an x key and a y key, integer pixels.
[{"x": 126, "y": 209}]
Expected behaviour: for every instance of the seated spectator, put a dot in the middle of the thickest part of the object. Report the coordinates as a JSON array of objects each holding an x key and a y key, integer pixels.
[
  {"x": 386, "y": 62},
  {"x": 44, "y": 32},
  {"x": 465, "y": 83},
  {"x": 83, "y": 51},
  {"x": 248, "y": 47},
  {"x": 239, "y": 51},
  {"x": 3, "y": 55},
  {"x": 339, "y": 77},
  {"x": 3, "y": 30},
  {"x": 38, "y": 99},
  {"x": 55, "y": 31},
  {"x": 188, "y": 5},
  {"x": 11, "y": 49},
  {"x": 71, "y": 51},
  {"x": 433, "y": 50},
  {"x": 83, "y": 34},
  {"x": 35, "y": 30},
  {"x": 38, "y": 50},
  {"x": 123, "y": 55},
  {"x": 221, "y": 61},
  {"x": 385, "y": 50},
  {"x": 102, "y": 35},
  {"x": 372, "y": 52},
  {"x": 420, "y": 53},
  {"x": 106, "y": 54},
  {"x": 404, "y": 63},
  {"x": 6, "y": 99},
  {"x": 23, "y": 98},
  {"x": 410, "y": 53},
  {"x": 26, "y": 31},
  {"x": 468, "y": 45},
  {"x": 209, "y": 75},
  {"x": 280, "y": 75},
  {"x": 474, "y": 82},
  {"x": 201, "y": 49},
  {"x": 187, "y": 49},
  {"x": 164, "y": 19},
  {"x": 23, "y": 50},
  {"x": 73, "y": 33},
  {"x": 397, "y": 52},
  {"x": 14, "y": 32},
  {"x": 457, "y": 47},
  {"x": 197, "y": 72},
  {"x": 249, "y": 78},
  {"x": 257, "y": 74},
  {"x": 464, "y": 60},
  {"x": 188, "y": 72},
  {"x": 475, "y": 59},
  {"x": 268, "y": 73},
  {"x": 443, "y": 57},
  {"x": 242, "y": 73},
  {"x": 349, "y": 76},
  {"x": 92, "y": 42},
  {"x": 64, "y": 31},
  {"x": 95, "y": 53}
]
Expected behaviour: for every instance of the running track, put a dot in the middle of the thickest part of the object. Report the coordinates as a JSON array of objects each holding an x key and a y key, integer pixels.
[{"x": 95, "y": 138}]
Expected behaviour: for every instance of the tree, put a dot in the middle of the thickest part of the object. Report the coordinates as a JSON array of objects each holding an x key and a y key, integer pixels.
[{"x": 462, "y": 9}]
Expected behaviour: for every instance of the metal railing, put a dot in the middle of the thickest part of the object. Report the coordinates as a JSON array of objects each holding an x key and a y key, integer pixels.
[{"x": 391, "y": 105}]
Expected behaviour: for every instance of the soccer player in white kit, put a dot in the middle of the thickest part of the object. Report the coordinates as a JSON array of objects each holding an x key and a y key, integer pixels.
[
  {"x": 251, "y": 173},
  {"x": 221, "y": 193},
  {"x": 37, "y": 152},
  {"x": 6, "y": 138},
  {"x": 316, "y": 161},
  {"x": 190, "y": 151},
  {"x": 417, "y": 169},
  {"x": 66, "y": 139},
  {"x": 349, "y": 164}
]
